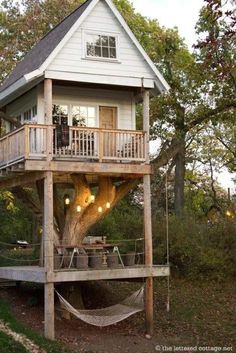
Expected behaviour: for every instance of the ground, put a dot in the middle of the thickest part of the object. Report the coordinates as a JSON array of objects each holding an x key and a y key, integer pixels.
[{"x": 202, "y": 314}]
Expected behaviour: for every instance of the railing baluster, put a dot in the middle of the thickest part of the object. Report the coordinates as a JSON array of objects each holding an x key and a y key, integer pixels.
[{"x": 90, "y": 143}]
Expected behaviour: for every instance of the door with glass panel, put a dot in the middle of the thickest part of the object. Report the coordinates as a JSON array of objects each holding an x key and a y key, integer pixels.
[
  {"x": 84, "y": 137},
  {"x": 61, "y": 133}
]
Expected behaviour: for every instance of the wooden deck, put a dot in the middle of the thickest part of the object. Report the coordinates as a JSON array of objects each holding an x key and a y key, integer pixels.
[
  {"x": 38, "y": 274},
  {"x": 30, "y": 142}
]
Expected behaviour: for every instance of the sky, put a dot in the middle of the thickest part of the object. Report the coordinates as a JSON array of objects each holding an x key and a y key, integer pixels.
[
  {"x": 184, "y": 15},
  {"x": 170, "y": 13}
]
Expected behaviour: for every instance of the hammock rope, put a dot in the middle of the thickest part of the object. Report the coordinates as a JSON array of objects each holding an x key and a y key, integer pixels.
[{"x": 110, "y": 315}]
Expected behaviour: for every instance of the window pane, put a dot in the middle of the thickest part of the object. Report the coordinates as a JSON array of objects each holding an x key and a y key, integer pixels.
[
  {"x": 97, "y": 40},
  {"x": 90, "y": 50},
  {"x": 93, "y": 39},
  {"x": 60, "y": 114},
  {"x": 104, "y": 40},
  {"x": 98, "y": 51},
  {"x": 91, "y": 122},
  {"x": 112, "y": 42},
  {"x": 83, "y": 112},
  {"x": 113, "y": 53},
  {"x": 75, "y": 111},
  {"x": 60, "y": 110},
  {"x": 91, "y": 112},
  {"x": 105, "y": 53}
]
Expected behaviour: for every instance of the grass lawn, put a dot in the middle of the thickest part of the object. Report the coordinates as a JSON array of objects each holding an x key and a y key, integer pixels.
[{"x": 8, "y": 345}]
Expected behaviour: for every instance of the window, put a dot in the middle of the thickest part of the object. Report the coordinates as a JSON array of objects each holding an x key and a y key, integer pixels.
[
  {"x": 101, "y": 46},
  {"x": 34, "y": 111},
  {"x": 30, "y": 115},
  {"x": 83, "y": 116},
  {"x": 60, "y": 114},
  {"x": 27, "y": 115}
]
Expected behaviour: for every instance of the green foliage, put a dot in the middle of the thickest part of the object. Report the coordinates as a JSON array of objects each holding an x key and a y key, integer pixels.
[
  {"x": 197, "y": 249},
  {"x": 18, "y": 257},
  {"x": 15, "y": 219},
  {"x": 23, "y": 23},
  {"x": 7, "y": 345},
  {"x": 124, "y": 222}
]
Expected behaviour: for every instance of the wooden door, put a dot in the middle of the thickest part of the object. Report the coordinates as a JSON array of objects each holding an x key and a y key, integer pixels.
[
  {"x": 108, "y": 121},
  {"x": 107, "y": 117}
]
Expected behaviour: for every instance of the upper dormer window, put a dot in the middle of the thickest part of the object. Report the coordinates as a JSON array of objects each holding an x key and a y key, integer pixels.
[{"x": 101, "y": 46}]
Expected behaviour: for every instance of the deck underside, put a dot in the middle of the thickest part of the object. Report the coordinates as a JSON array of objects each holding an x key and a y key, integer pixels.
[{"x": 38, "y": 274}]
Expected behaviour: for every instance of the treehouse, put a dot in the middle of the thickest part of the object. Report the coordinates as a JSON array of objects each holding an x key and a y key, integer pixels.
[{"x": 68, "y": 113}]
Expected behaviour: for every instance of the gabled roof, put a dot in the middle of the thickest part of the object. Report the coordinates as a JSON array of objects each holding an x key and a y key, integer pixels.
[
  {"x": 40, "y": 56},
  {"x": 40, "y": 52}
]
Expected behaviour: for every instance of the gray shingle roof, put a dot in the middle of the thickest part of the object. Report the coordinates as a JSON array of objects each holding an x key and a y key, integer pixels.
[{"x": 40, "y": 52}]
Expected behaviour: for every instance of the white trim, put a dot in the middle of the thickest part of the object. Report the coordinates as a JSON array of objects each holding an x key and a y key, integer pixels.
[
  {"x": 103, "y": 79},
  {"x": 166, "y": 86},
  {"x": 86, "y": 32},
  {"x": 11, "y": 89}
]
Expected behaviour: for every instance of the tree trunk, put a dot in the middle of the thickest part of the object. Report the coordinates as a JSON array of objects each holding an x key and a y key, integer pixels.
[
  {"x": 83, "y": 213},
  {"x": 179, "y": 180}
]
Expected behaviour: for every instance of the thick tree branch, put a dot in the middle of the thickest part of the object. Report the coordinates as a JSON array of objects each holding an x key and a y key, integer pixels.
[
  {"x": 211, "y": 113},
  {"x": 78, "y": 223},
  {"x": 168, "y": 151}
]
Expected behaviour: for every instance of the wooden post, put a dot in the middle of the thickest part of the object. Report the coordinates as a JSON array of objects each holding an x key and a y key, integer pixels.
[
  {"x": 48, "y": 117},
  {"x": 146, "y": 121},
  {"x": 148, "y": 221},
  {"x": 48, "y": 256}
]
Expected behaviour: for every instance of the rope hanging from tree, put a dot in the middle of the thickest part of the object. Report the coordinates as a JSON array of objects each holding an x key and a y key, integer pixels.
[{"x": 167, "y": 242}]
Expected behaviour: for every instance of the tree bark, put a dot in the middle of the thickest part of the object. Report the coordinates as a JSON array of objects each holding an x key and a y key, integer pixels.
[
  {"x": 179, "y": 181},
  {"x": 77, "y": 224}
]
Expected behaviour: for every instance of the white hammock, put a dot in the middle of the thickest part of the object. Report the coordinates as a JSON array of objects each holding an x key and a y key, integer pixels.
[{"x": 110, "y": 315}]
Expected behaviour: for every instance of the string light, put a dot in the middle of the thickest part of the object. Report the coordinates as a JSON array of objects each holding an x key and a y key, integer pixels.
[
  {"x": 92, "y": 198},
  {"x": 229, "y": 214},
  {"x": 66, "y": 199},
  {"x": 100, "y": 209},
  {"x": 108, "y": 205},
  {"x": 78, "y": 208}
]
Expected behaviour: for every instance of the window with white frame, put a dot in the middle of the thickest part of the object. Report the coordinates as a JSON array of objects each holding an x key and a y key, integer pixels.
[
  {"x": 30, "y": 115},
  {"x": 60, "y": 114},
  {"x": 83, "y": 115},
  {"x": 101, "y": 46}
]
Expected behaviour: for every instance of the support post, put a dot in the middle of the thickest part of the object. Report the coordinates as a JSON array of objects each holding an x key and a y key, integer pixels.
[
  {"x": 48, "y": 117},
  {"x": 48, "y": 256},
  {"x": 146, "y": 121},
  {"x": 148, "y": 221}
]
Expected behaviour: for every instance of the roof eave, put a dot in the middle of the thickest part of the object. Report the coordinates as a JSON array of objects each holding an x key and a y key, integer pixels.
[{"x": 19, "y": 87}]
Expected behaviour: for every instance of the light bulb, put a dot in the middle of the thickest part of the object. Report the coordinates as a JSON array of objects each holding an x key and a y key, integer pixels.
[
  {"x": 78, "y": 208},
  {"x": 67, "y": 201},
  {"x": 92, "y": 198},
  {"x": 100, "y": 209},
  {"x": 108, "y": 205}
]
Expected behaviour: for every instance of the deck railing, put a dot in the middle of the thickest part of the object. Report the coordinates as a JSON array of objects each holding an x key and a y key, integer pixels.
[{"x": 30, "y": 142}]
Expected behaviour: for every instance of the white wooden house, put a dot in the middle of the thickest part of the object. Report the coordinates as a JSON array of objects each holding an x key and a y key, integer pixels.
[{"x": 87, "y": 73}]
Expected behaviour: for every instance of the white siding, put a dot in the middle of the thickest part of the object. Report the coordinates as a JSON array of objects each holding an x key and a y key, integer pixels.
[
  {"x": 131, "y": 63},
  {"x": 22, "y": 104},
  {"x": 96, "y": 97}
]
